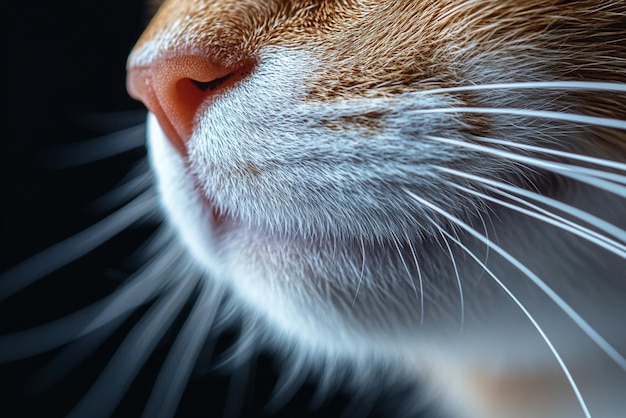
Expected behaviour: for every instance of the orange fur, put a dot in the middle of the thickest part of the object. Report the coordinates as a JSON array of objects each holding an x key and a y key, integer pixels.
[
  {"x": 375, "y": 48},
  {"x": 379, "y": 48}
]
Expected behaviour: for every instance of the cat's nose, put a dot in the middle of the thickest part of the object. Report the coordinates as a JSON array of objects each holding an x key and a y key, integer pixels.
[{"x": 176, "y": 88}]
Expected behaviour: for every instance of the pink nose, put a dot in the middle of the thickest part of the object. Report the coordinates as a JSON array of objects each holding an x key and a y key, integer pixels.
[{"x": 176, "y": 88}]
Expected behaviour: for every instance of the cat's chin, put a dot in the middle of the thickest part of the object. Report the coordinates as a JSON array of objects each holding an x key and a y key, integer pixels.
[{"x": 249, "y": 257}]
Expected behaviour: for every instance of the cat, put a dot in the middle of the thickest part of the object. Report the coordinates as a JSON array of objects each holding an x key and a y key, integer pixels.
[{"x": 432, "y": 189}]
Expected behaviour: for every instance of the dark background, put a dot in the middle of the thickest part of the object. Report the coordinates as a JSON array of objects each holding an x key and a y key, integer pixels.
[{"x": 63, "y": 83}]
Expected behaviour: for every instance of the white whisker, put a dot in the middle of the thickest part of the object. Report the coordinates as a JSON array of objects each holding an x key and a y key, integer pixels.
[
  {"x": 112, "y": 121},
  {"x": 289, "y": 382},
  {"x": 550, "y": 165},
  {"x": 96, "y": 149},
  {"x": 582, "y": 174},
  {"x": 136, "y": 291},
  {"x": 482, "y": 220},
  {"x": 157, "y": 276},
  {"x": 590, "y": 219},
  {"x": 456, "y": 273},
  {"x": 358, "y": 287},
  {"x": 179, "y": 363},
  {"x": 242, "y": 349},
  {"x": 71, "y": 355},
  {"x": 541, "y": 114},
  {"x": 139, "y": 179},
  {"x": 420, "y": 279},
  {"x": 70, "y": 249},
  {"x": 108, "y": 390},
  {"x": 565, "y": 224},
  {"x": 585, "y": 233},
  {"x": 618, "y": 358},
  {"x": 570, "y": 155},
  {"x": 546, "y": 85},
  {"x": 237, "y": 387},
  {"x": 590, "y": 172},
  {"x": 406, "y": 267},
  {"x": 530, "y": 317},
  {"x": 593, "y": 181}
]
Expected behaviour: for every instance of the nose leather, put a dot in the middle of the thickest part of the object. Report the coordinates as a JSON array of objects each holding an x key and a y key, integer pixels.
[{"x": 176, "y": 88}]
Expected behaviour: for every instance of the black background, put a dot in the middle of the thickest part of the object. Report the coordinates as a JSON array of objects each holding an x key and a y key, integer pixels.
[{"x": 63, "y": 83}]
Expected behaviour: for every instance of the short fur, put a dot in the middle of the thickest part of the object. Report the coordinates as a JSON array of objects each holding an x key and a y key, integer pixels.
[
  {"x": 339, "y": 204},
  {"x": 436, "y": 188}
]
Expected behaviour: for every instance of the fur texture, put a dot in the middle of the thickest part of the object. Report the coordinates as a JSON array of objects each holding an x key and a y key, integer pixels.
[
  {"x": 343, "y": 175},
  {"x": 432, "y": 188}
]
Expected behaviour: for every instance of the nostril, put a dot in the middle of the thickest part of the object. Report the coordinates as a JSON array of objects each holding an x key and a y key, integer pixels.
[
  {"x": 177, "y": 89},
  {"x": 209, "y": 85},
  {"x": 192, "y": 96},
  {"x": 189, "y": 98}
]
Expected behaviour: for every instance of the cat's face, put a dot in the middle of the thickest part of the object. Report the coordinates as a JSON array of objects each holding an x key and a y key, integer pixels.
[{"x": 307, "y": 155}]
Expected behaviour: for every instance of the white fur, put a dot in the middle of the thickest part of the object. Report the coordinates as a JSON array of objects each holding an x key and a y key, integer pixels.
[{"x": 320, "y": 238}]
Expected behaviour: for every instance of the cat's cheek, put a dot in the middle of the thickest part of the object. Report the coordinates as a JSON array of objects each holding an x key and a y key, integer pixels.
[{"x": 183, "y": 205}]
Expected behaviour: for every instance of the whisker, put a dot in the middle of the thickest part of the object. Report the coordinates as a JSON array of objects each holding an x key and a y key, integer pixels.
[
  {"x": 179, "y": 363},
  {"x": 600, "y": 184},
  {"x": 541, "y": 114},
  {"x": 570, "y": 155},
  {"x": 327, "y": 382},
  {"x": 242, "y": 349},
  {"x": 591, "y": 172},
  {"x": 136, "y": 291},
  {"x": 564, "y": 169},
  {"x": 291, "y": 379},
  {"x": 618, "y": 358},
  {"x": 167, "y": 265},
  {"x": 97, "y": 149},
  {"x": 70, "y": 249},
  {"x": 73, "y": 354},
  {"x": 585, "y": 233},
  {"x": 553, "y": 165},
  {"x": 137, "y": 181},
  {"x": 458, "y": 277},
  {"x": 358, "y": 287},
  {"x": 547, "y": 85},
  {"x": 406, "y": 267},
  {"x": 110, "y": 121},
  {"x": 237, "y": 386},
  {"x": 420, "y": 279},
  {"x": 108, "y": 390},
  {"x": 590, "y": 219},
  {"x": 40, "y": 339},
  {"x": 530, "y": 317},
  {"x": 361, "y": 404},
  {"x": 486, "y": 231}
]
